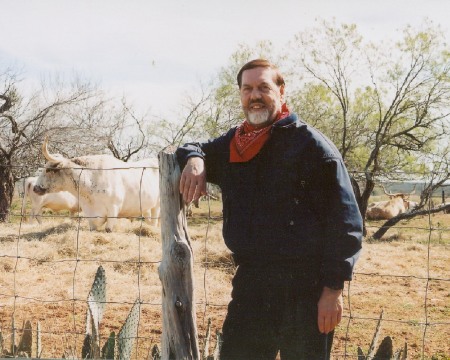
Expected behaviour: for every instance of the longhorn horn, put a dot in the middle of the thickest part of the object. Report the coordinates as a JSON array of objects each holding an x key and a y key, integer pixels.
[
  {"x": 47, "y": 155},
  {"x": 391, "y": 195},
  {"x": 384, "y": 189},
  {"x": 406, "y": 196}
]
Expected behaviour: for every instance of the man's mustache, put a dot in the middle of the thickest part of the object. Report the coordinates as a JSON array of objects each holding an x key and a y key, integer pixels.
[{"x": 252, "y": 102}]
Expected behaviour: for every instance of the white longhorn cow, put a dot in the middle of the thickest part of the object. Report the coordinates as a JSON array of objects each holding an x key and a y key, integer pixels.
[
  {"x": 108, "y": 188},
  {"x": 58, "y": 201}
]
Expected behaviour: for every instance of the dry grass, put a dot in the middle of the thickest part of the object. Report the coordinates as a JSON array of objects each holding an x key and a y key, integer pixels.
[{"x": 47, "y": 272}]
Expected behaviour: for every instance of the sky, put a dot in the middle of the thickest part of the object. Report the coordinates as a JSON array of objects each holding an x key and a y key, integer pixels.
[{"x": 154, "y": 52}]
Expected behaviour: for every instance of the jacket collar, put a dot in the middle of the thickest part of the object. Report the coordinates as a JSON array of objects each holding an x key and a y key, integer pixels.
[{"x": 288, "y": 122}]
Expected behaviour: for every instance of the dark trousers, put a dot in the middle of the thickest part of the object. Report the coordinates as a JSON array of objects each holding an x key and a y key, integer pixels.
[{"x": 274, "y": 308}]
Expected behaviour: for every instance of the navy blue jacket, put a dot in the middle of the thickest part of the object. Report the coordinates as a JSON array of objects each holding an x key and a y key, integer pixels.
[{"x": 292, "y": 203}]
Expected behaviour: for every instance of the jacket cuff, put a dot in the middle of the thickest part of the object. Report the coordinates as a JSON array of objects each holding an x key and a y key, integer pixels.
[{"x": 334, "y": 284}]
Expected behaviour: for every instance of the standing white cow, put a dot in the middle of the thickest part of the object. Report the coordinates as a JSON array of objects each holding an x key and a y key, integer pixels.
[
  {"x": 58, "y": 201},
  {"x": 107, "y": 188}
]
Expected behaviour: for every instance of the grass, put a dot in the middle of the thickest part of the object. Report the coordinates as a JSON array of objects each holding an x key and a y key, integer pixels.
[{"x": 47, "y": 271}]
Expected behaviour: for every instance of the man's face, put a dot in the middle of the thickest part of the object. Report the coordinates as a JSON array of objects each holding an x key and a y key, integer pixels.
[{"x": 261, "y": 97}]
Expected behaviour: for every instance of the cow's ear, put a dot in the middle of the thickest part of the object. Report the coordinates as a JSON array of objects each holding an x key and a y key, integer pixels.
[
  {"x": 54, "y": 167},
  {"x": 51, "y": 170}
]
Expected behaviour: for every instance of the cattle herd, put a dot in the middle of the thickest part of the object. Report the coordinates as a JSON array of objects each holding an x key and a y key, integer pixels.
[{"x": 102, "y": 187}]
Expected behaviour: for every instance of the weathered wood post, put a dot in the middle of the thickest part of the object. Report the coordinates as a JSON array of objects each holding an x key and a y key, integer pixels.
[{"x": 179, "y": 330}]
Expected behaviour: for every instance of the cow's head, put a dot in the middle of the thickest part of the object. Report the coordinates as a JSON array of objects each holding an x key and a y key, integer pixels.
[
  {"x": 412, "y": 205},
  {"x": 53, "y": 177},
  {"x": 400, "y": 197}
]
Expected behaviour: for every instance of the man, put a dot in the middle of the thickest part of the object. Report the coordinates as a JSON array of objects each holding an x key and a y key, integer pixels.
[{"x": 290, "y": 218}]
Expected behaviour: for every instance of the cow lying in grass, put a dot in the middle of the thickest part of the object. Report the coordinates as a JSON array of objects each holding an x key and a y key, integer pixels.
[{"x": 398, "y": 203}]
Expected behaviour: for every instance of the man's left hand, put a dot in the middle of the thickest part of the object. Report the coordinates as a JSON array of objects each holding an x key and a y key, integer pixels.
[{"x": 329, "y": 309}]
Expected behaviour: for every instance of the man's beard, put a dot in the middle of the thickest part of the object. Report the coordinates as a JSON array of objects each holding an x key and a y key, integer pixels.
[{"x": 258, "y": 117}]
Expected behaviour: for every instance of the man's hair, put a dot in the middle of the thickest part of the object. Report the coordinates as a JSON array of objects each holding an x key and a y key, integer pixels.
[{"x": 260, "y": 63}]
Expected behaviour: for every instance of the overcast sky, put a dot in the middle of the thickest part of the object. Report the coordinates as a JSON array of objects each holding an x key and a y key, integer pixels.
[{"x": 153, "y": 51}]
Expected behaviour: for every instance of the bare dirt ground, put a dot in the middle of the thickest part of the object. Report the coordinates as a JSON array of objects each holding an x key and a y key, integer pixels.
[{"x": 47, "y": 271}]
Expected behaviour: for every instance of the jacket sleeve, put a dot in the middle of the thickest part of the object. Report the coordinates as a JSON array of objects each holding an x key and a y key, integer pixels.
[
  {"x": 215, "y": 152},
  {"x": 343, "y": 222}
]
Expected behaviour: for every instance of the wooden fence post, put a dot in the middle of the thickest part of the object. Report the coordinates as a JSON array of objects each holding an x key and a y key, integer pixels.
[{"x": 179, "y": 330}]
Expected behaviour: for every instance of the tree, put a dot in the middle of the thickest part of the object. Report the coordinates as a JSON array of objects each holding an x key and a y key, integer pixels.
[
  {"x": 330, "y": 58},
  {"x": 120, "y": 129},
  {"x": 390, "y": 118},
  {"x": 25, "y": 121},
  {"x": 126, "y": 138},
  {"x": 186, "y": 125}
]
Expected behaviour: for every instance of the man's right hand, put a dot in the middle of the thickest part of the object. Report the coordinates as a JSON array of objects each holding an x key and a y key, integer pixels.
[
  {"x": 193, "y": 179},
  {"x": 329, "y": 310}
]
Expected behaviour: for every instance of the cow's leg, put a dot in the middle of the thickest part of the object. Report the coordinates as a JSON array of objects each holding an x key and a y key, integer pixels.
[
  {"x": 92, "y": 225},
  {"x": 147, "y": 216},
  {"x": 28, "y": 218},
  {"x": 37, "y": 214},
  {"x": 95, "y": 223},
  {"x": 111, "y": 219},
  {"x": 32, "y": 216},
  {"x": 72, "y": 214},
  {"x": 155, "y": 216}
]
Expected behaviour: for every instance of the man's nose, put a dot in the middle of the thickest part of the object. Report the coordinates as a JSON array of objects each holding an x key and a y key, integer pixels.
[{"x": 255, "y": 94}]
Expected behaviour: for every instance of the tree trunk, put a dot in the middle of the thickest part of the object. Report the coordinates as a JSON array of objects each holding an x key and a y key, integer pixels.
[
  {"x": 179, "y": 331},
  {"x": 368, "y": 188},
  {"x": 363, "y": 199},
  {"x": 6, "y": 191},
  {"x": 391, "y": 222},
  {"x": 359, "y": 200}
]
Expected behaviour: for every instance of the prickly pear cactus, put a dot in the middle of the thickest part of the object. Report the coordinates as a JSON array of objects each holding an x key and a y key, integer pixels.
[
  {"x": 108, "y": 348},
  {"x": 96, "y": 307},
  {"x": 96, "y": 302},
  {"x": 128, "y": 333}
]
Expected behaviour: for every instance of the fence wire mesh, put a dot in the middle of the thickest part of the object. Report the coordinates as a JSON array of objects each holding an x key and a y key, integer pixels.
[{"x": 47, "y": 270}]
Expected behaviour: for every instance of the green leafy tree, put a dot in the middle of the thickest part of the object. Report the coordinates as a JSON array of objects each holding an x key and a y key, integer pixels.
[{"x": 384, "y": 107}]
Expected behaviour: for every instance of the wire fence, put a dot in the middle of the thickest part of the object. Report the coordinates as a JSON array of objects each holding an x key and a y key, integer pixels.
[{"x": 47, "y": 271}]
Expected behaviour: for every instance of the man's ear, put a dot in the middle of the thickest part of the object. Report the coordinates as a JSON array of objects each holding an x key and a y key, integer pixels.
[{"x": 282, "y": 93}]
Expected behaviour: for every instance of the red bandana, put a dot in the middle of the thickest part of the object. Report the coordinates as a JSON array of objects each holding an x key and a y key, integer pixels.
[{"x": 248, "y": 141}]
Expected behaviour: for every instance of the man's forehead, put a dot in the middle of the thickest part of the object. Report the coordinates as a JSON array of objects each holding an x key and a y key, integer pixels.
[{"x": 258, "y": 74}]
